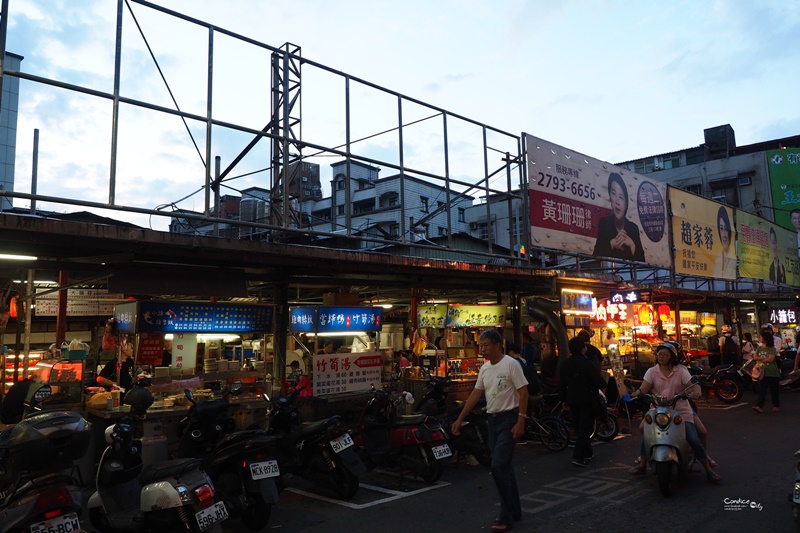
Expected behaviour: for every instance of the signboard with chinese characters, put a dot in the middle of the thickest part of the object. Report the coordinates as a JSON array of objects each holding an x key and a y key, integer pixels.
[
  {"x": 303, "y": 319},
  {"x": 784, "y": 176},
  {"x": 465, "y": 316},
  {"x": 766, "y": 251},
  {"x": 125, "y": 316},
  {"x": 80, "y": 302},
  {"x": 203, "y": 317},
  {"x": 584, "y": 205},
  {"x": 150, "y": 349},
  {"x": 784, "y": 315},
  {"x": 184, "y": 350},
  {"x": 431, "y": 315},
  {"x": 336, "y": 373},
  {"x": 606, "y": 310},
  {"x": 344, "y": 319},
  {"x": 704, "y": 236}
]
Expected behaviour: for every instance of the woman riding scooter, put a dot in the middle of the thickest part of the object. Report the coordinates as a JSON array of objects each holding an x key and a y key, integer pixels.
[{"x": 668, "y": 378}]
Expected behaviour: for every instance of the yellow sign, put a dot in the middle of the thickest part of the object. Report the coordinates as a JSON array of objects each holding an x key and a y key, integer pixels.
[
  {"x": 703, "y": 235},
  {"x": 767, "y": 251},
  {"x": 462, "y": 316},
  {"x": 431, "y": 315}
]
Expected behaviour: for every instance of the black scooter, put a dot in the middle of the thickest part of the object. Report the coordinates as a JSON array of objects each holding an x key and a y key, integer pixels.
[
  {"x": 321, "y": 451},
  {"x": 241, "y": 464}
]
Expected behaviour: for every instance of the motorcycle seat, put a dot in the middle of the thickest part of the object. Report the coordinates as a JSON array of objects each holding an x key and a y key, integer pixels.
[
  {"x": 167, "y": 469},
  {"x": 313, "y": 427},
  {"x": 709, "y": 371},
  {"x": 410, "y": 420}
]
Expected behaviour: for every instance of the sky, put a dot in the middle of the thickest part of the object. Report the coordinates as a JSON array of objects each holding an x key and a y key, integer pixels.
[{"x": 616, "y": 80}]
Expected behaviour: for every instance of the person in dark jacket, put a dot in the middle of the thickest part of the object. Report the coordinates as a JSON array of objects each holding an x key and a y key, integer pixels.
[{"x": 578, "y": 388}]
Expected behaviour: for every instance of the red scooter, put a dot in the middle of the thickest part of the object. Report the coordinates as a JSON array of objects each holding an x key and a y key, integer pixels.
[{"x": 414, "y": 443}]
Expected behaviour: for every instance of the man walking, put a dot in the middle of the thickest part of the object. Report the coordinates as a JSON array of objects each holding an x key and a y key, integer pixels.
[
  {"x": 503, "y": 383},
  {"x": 578, "y": 387}
]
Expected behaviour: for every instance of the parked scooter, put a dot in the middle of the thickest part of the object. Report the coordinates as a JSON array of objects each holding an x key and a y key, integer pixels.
[
  {"x": 166, "y": 496},
  {"x": 722, "y": 380},
  {"x": 794, "y": 496},
  {"x": 665, "y": 444},
  {"x": 38, "y": 492},
  {"x": 241, "y": 464},
  {"x": 474, "y": 437},
  {"x": 321, "y": 451},
  {"x": 414, "y": 443},
  {"x": 606, "y": 426}
]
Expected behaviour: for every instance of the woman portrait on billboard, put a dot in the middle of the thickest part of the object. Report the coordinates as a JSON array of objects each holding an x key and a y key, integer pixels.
[
  {"x": 725, "y": 266},
  {"x": 616, "y": 235}
]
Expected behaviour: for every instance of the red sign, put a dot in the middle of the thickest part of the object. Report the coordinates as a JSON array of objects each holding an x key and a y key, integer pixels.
[{"x": 151, "y": 348}]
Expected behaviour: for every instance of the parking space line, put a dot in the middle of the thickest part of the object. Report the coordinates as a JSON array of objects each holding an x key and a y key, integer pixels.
[{"x": 393, "y": 495}]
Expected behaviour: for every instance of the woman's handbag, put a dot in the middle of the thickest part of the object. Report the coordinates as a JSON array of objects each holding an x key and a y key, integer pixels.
[{"x": 758, "y": 372}]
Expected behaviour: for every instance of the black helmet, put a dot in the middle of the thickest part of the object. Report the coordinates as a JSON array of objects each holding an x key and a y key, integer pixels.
[{"x": 140, "y": 399}]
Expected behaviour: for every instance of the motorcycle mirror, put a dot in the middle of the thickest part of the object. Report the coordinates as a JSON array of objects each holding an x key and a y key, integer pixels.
[
  {"x": 189, "y": 394},
  {"x": 236, "y": 386}
]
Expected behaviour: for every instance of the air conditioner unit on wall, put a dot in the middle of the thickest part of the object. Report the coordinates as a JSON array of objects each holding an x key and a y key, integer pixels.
[
  {"x": 744, "y": 182},
  {"x": 473, "y": 225},
  {"x": 720, "y": 199}
]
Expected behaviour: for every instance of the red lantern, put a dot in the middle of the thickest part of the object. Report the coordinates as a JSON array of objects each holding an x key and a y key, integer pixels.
[{"x": 664, "y": 312}]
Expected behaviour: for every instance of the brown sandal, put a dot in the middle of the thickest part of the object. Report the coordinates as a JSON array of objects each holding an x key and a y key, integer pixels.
[{"x": 639, "y": 469}]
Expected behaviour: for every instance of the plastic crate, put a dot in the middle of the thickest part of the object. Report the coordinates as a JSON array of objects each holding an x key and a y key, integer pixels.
[{"x": 76, "y": 355}]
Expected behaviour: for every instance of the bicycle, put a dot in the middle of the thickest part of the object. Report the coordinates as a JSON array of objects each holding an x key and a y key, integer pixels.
[{"x": 549, "y": 429}]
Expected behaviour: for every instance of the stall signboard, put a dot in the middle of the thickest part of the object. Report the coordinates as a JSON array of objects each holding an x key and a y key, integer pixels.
[
  {"x": 80, "y": 302},
  {"x": 688, "y": 317},
  {"x": 575, "y": 302},
  {"x": 767, "y": 251},
  {"x": 783, "y": 315},
  {"x": 784, "y": 176},
  {"x": 203, "y": 317},
  {"x": 346, "y": 372},
  {"x": 630, "y": 296},
  {"x": 125, "y": 316},
  {"x": 431, "y": 315},
  {"x": 584, "y": 205},
  {"x": 150, "y": 349},
  {"x": 703, "y": 235},
  {"x": 605, "y": 310},
  {"x": 184, "y": 350},
  {"x": 468, "y": 316},
  {"x": 346, "y": 319},
  {"x": 303, "y": 319}
]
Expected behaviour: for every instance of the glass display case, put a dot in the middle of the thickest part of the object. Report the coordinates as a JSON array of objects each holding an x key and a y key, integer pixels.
[
  {"x": 12, "y": 363},
  {"x": 65, "y": 379}
]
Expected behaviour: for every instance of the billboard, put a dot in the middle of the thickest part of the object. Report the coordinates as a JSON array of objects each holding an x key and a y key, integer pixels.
[
  {"x": 766, "y": 251},
  {"x": 703, "y": 235},
  {"x": 580, "y": 204},
  {"x": 784, "y": 177}
]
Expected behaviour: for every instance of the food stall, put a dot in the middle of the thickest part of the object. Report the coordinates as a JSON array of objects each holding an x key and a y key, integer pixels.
[
  {"x": 460, "y": 360},
  {"x": 209, "y": 351},
  {"x": 341, "y": 380}
]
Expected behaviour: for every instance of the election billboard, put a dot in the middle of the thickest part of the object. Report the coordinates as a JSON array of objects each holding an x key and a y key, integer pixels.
[
  {"x": 766, "y": 251},
  {"x": 703, "y": 235},
  {"x": 584, "y": 205}
]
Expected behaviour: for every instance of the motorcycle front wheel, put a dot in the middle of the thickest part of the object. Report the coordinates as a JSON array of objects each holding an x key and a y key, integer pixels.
[
  {"x": 728, "y": 390},
  {"x": 665, "y": 474}
]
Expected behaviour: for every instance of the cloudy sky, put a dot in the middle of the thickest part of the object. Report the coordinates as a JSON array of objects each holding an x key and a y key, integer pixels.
[{"x": 616, "y": 80}]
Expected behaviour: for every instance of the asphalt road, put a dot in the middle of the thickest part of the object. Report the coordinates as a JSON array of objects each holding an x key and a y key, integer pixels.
[{"x": 755, "y": 453}]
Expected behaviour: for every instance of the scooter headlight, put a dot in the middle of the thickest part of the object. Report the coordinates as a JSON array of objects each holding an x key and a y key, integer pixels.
[{"x": 662, "y": 419}]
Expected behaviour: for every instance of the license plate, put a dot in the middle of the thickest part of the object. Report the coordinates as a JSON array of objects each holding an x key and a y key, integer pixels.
[
  {"x": 341, "y": 443},
  {"x": 213, "y": 515},
  {"x": 68, "y": 523},
  {"x": 265, "y": 469},
  {"x": 440, "y": 452}
]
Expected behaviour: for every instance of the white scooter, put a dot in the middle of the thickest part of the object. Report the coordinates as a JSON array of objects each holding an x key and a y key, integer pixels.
[
  {"x": 794, "y": 496},
  {"x": 667, "y": 450},
  {"x": 166, "y": 496}
]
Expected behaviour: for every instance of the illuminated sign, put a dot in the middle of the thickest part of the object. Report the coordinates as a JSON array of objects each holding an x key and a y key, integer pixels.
[
  {"x": 608, "y": 310},
  {"x": 302, "y": 319},
  {"x": 577, "y": 302},
  {"x": 467, "y": 316},
  {"x": 194, "y": 317},
  {"x": 626, "y": 297},
  {"x": 786, "y": 315}
]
